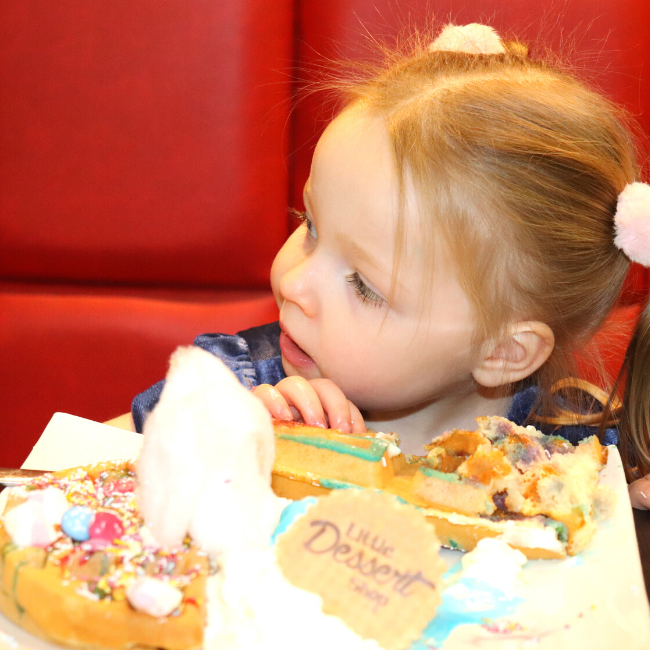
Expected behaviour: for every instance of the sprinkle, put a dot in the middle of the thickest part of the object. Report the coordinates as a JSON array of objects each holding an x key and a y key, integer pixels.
[
  {"x": 110, "y": 498},
  {"x": 502, "y": 627}
]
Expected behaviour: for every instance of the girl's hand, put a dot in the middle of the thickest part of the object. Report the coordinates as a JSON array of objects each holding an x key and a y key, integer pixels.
[
  {"x": 640, "y": 493},
  {"x": 318, "y": 402}
]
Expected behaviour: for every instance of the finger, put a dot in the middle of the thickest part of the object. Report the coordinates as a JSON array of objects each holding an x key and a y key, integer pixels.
[
  {"x": 640, "y": 493},
  {"x": 274, "y": 401},
  {"x": 358, "y": 424},
  {"x": 300, "y": 395},
  {"x": 335, "y": 404}
]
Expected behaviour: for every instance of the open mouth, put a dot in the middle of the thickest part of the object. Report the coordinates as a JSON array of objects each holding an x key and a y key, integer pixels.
[{"x": 293, "y": 353}]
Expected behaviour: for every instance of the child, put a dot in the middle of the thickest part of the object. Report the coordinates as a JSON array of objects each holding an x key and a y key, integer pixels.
[{"x": 461, "y": 239}]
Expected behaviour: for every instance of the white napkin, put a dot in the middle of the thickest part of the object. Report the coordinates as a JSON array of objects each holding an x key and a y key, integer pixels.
[{"x": 69, "y": 441}]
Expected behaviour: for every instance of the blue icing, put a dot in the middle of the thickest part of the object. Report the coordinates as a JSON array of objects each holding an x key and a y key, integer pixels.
[
  {"x": 290, "y": 513},
  {"x": 466, "y": 601},
  {"x": 452, "y": 571}
]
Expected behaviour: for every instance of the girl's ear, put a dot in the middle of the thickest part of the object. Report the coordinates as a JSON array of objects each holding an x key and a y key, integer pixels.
[{"x": 526, "y": 347}]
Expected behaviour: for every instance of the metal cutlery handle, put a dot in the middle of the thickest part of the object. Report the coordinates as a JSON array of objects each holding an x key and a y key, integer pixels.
[{"x": 10, "y": 477}]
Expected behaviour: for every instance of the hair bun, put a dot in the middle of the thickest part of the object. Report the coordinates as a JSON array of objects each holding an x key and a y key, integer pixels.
[{"x": 470, "y": 39}]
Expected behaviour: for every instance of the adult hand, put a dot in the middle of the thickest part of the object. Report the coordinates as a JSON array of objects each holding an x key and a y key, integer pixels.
[
  {"x": 318, "y": 402},
  {"x": 640, "y": 493}
]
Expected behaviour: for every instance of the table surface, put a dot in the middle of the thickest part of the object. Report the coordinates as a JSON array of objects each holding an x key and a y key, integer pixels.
[{"x": 642, "y": 526}]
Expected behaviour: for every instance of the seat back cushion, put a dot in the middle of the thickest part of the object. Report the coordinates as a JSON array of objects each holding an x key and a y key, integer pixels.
[{"x": 144, "y": 142}]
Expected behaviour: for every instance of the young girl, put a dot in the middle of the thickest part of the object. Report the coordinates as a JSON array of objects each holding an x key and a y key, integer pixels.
[{"x": 470, "y": 219}]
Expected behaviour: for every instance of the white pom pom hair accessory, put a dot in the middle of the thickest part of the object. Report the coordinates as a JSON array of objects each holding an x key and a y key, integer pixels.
[
  {"x": 471, "y": 39},
  {"x": 632, "y": 222}
]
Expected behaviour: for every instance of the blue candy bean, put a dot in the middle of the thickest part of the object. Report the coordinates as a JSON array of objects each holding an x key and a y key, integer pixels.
[{"x": 76, "y": 523}]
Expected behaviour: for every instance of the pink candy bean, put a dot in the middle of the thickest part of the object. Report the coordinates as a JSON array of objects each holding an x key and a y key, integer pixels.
[{"x": 106, "y": 526}]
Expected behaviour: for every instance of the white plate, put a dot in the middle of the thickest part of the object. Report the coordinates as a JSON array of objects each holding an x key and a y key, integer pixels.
[{"x": 594, "y": 601}]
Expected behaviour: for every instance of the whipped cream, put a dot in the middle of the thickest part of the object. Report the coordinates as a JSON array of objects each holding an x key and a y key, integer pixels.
[{"x": 495, "y": 562}]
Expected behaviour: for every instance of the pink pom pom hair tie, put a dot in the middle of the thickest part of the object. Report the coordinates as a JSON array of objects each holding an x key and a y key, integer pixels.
[{"x": 632, "y": 222}]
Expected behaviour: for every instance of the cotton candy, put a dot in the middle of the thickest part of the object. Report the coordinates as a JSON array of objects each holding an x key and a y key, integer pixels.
[{"x": 205, "y": 467}]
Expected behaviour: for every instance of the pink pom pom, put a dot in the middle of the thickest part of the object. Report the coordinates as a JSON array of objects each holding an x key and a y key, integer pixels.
[
  {"x": 632, "y": 222},
  {"x": 470, "y": 39}
]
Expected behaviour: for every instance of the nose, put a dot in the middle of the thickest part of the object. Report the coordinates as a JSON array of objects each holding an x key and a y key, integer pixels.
[
  {"x": 297, "y": 286},
  {"x": 292, "y": 276}
]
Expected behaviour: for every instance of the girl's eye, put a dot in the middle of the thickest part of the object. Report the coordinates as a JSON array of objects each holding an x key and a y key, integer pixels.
[
  {"x": 303, "y": 217},
  {"x": 364, "y": 292}
]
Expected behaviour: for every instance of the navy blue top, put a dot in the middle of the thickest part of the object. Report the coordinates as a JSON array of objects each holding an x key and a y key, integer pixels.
[{"x": 254, "y": 356}]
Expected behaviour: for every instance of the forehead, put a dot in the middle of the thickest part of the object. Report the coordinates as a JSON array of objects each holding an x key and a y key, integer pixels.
[
  {"x": 354, "y": 184},
  {"x": 353, "y": 160}
]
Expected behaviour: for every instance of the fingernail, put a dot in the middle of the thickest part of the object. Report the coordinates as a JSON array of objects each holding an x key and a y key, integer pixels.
[
  {"x": 286, "y": 414},
  {"x": 343, "y": 425}
]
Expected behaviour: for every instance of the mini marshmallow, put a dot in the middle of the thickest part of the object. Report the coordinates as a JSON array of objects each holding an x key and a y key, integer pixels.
[
  {"x": 153, "y": 597},
  {"x": 54, "y": 501},
  {"x": 28, "y": 525}
]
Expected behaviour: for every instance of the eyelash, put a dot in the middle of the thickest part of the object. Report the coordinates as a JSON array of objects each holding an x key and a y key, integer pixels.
[
  {"x": 303, "y": 218},
  {"x": 365, "y": 293}
]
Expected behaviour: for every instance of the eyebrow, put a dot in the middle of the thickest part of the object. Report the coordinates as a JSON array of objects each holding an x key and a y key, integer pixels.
[{"x": 359, "y": 252}]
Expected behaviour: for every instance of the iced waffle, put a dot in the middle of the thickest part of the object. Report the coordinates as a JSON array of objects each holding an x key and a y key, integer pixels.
[{"x": 539, "y": 492}]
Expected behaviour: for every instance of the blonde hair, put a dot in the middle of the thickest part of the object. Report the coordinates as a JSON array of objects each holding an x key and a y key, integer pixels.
[{"x": 518, "y": 166}]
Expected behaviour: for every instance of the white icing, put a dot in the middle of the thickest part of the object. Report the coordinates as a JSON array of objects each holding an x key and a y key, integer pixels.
[
  {"x": 205, "y": 467},
  {"x": 252, "y": 606},
  {"x": 522, "y": 533},
  {"x": 532, "y": 537}
]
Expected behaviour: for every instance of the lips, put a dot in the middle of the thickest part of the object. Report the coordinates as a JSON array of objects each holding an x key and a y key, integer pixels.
[{"x": 293, "y": 353}]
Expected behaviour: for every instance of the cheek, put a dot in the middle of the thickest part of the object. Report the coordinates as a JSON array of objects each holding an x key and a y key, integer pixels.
[
  {"x": 396, "y": 367},
  {"x": 358, "y": 354}
]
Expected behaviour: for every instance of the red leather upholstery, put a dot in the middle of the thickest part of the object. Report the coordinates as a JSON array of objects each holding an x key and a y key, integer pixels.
[
  {"x": 143, "y": 142},
  {"x": 143, "y": 146},
  {"x": 88, "y": 353},
  {"x": 149, "y": 151}
]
